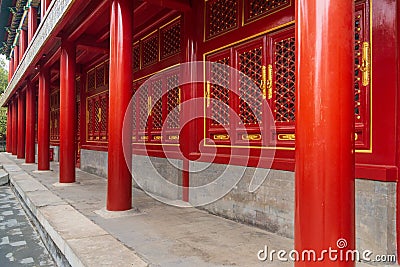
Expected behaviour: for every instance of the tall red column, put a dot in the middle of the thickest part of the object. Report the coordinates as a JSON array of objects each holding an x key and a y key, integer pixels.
[
  {"x": 9, "y": 128},
  {"x": 44, "y": 4},
  {"x": 14, "y": 127},
  {"x": 10, "y": 69},
  {"x": 32, "y": 23},
  {"x": 21, "y": 126},
  {"x": 44, "y": 119},
  {"x": 22, "y": 44},
  {"x": 30, "y": 122},
  {"x": 67, "y": 113},
  {"x": 119, "y": 191},
  {"x": 16, "y": 57},
  {"x": 325, "y": 201}
]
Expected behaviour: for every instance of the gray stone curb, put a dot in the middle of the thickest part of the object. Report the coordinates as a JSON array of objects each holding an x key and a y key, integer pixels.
[{"x": 79, "y": 240}]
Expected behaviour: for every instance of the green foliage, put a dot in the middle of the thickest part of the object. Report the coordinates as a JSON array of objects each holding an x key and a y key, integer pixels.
[{"x": 3, "y": 86}]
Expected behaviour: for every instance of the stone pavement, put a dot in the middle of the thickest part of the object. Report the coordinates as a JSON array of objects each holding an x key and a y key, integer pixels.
[
  {"x": 20, "y": 244},
  {"x": 153, "y": 234}
]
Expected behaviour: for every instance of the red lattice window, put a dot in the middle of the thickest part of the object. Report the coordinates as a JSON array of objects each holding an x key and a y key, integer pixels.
[
  {"x": 55, "y": 116},
  {"x": 150, "y": 50},
  {"x": 362, "y": 74},
  {"x": 254, "y": 9},
  {"x": 106, "y": 72},
  {"x": 164, "y": 105},
  {"x": 91, "y": 80},
  {"x": 97, "y": 117},
  {"x": 100, "y": 76},
  {"x": 143, "y": 100},
  {"x": 171, "y": 39},
  {"x": 136, "y": 57},
  {"x": 284, "y": 72},
  {"x": 220, "y": 82},
  {"x": 156, "y": 112},
  {"x": 90, "y": 119},
  {"x": 250, "y": 66},
  {"x": 174, "y": 96},
  {"x": 97, "y": 104},
  {"x": 221, "y": 16}
]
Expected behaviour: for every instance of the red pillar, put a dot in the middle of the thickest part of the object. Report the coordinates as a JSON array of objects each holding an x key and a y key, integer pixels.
[
  {"x": 324, "y": 211},
  {"x": 44, "y": 4},
  {"x": 67, "y": 113},
  {"x": 14, "y": 127},
  {"x": 22, "y": 44},
  {"x": 119, "y": 191},
  {"x": 16, "y": 57},
  {"x": 10, "y": 69},
  {"x": 32, "y": 23},
  {"x": 21, "y": 126},
  {"x": 30, "y": 122},
  {"x": 44, "y": 119},
  {"x": 9, "y": 128}
]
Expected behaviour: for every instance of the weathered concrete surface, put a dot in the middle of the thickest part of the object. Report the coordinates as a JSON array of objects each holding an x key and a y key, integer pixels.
[{"x": 161, "y": 235}]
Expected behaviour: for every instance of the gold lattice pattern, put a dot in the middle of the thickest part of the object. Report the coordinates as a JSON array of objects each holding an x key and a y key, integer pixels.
[
  {"x": 104, "y": 113},
  {"x": 100, "y": 76},
  {"x": 78, "y": 118},
  {"x": 91, "y": 80},
  {"x": 143, "y": 107},
  {"x": 171, "y": 40},
  {"x": 150, "y": 50},
  {"x": 250, "y": 66},
  {"x": 96, "y": 120},
  {"x": 136, "y": 58},
  {"x": 285, "y": 80},
  {"x": 222, "y": 16},
  {"x": 107, "y": 72},
  {"x": 357, "y": 60},
  {"x": 156, "y": 112},
  {"x": 134, "y": 118},
  {"x": 90, "y": 119},
  {"x": 220, "y": 78},
  {"x": 173, "y": 101},
  {"x": 262, "y": 7}
]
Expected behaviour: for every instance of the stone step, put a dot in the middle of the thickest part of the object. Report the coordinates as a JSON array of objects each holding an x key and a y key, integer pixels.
[{"x": 4, "y": 180}]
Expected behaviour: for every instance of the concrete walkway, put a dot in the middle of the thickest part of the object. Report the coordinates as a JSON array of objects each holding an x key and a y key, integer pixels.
[{"x": 154, "y": 234}]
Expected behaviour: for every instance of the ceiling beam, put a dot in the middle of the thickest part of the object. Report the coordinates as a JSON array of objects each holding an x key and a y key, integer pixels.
[
  {"x": 88, "y": 22},
  {"x": 179, "y": 5}
]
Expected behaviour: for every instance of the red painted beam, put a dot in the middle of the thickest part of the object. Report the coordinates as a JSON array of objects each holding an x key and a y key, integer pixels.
[
  {"x": 22, "y": 44},
  {"x": 14, "y": 127},
  {"x": 67, "y": 112},
  {"x": 21, "y": 126},
  {"x": 53, "y": 58},
  {"x": 325, "y": 197},
  {"x": 119, "y": 190},
  {"x": 32, "y": 23},
  {"x": 44, "y": 119},
  {"x": 9, "y": 128},
  {"x": 88, "y": 22},
  {"x": 180, "y": 5},
  {"x": 30, "y": 122}
]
